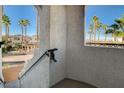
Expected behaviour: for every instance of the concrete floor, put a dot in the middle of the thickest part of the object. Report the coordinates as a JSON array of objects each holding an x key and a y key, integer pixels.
[
  {"x": 68, "y": 83},
  {"x": 1, "y": 85}
]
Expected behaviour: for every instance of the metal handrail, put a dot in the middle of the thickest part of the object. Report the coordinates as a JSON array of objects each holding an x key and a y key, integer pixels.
[
  {"x": 33, "y": 65},
  {"x": 49, "y": 53},
  {"x": 1, "y": 43},
  {"x": 1, "y": 81}
]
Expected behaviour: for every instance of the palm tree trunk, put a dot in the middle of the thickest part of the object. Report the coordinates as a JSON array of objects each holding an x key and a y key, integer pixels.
[
  {"x": 37, "y": 25},
  {"x": 6, "y": 34},
  {"x": 90, "y": 37},
  {"x": 22, "y": 37},
  {"x": 105, "y": 37},
  {"x": 22, "y": 33},
  {"x": 98, "y": 35},
  {"x": 25, "y": 37},
  {"x": 112, "y": 36},
  {"x": 25, "y": 33},
  {"x": 94, "y": 32}
]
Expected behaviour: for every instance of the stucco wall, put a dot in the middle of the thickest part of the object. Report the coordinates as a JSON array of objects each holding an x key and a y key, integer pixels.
[
  {"x": 101, "y": 67},
  {"x": 38, "y": 76},
  {"x": 58, "y": 40},
  {"x": 52, "y": 35}
]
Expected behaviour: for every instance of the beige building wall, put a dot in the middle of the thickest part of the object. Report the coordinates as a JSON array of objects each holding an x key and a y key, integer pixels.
[
  {"x": 52, "y": 35},
  {"x": 58, "y": 40},
  {"x": 62, "y": 27},
  {"x": 38, "y": 76},
  {"x": 101, "y": 67}
]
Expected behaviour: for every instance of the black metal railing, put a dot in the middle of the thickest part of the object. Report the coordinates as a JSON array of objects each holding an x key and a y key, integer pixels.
[
  {"x": 1, "y": 43},
  {"x": 2, "y": 82},
  {"x": 49, "y": 53}
]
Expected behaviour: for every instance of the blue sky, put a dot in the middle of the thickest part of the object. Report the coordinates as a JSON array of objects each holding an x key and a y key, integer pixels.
[
  {"x": 17, "y": 12},
  {"x": 106, "y": 14}
]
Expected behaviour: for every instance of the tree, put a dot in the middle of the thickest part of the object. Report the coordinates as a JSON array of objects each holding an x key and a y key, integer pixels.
[
  {"x": 21, "y": 23},
  {"x": 120, "y": 22},
  {"x": 90, "y": 32},
  {"x": 24, "y": 23},
  {"x": 6, "y": 21},
  {"x": 37, "y": 24},
  {"x": 95, "y": 21},
  {"x": 109, "y": 31},
  {"x": 114, "y": 27},
  {"x": 104, "y": 27},
  {"x": 99, "y": 25}
]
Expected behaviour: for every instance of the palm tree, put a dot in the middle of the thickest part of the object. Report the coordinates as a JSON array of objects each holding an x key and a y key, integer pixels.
[
  {"x": 109, "y": 31},
  {"x": 24, "y": 23},
  {"x": 104, "y": 27},
  {"x": 114, "y": 28},
  {"x": 120, "y": 22},
  {"x": 118, "y": 34},
  {"x": 21, "y": 23},
  {"x": 99, "y": 25},
  {"x": 95, "y": 21},
  {"x": 6, "y": 21},
  {"x": 37, "y": 28},
  {"x": 90, "y": 32}
]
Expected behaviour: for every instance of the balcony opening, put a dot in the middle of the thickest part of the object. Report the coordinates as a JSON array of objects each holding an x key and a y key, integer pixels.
[
  {"x": 20, "y": 34},
  {"x": 104, "y": 29}
]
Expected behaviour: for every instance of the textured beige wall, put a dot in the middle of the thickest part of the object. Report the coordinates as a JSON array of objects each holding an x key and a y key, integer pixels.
[
  {"x": 38, "y": 76},
  {"x": 52, "y": 35},
  {"x": 101, "y": 67},
  {"x": 58, "y": 40}
]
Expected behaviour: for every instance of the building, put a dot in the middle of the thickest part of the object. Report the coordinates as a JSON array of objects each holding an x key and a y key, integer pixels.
[
  {"x": 31, "y": 46},
  {"x": 62, "y": 27},
  {"x": 18, "y": 39},
  {"x": 29, "y": 42}
]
